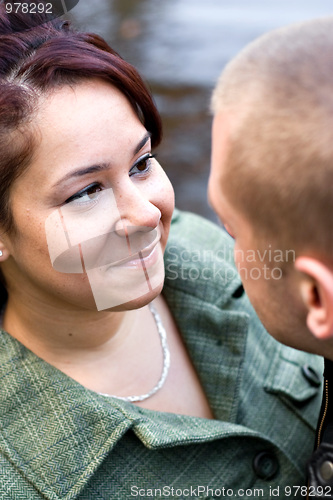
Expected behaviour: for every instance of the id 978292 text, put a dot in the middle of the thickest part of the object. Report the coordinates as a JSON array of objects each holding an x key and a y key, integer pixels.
[
  {"x": 28, "y": 8},
  {"x": 302, "y": 491}
]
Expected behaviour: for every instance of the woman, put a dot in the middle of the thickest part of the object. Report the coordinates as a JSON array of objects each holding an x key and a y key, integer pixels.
[{"x": 110, "y": 389}]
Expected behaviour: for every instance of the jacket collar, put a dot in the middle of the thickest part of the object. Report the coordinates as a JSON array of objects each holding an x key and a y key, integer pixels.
[
  {"x": 57, "y": 433},
  {"x": 48, "y": 420},
  {"x": 205, "y": 295}
]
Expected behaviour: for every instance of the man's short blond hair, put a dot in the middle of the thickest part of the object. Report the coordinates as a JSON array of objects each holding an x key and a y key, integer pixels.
[{"x": 278, "y": 95}]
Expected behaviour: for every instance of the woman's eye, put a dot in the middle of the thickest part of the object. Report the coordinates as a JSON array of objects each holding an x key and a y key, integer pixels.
[
  {"x": 143, "y": 165},
  {"x": 86, "y": 195}
]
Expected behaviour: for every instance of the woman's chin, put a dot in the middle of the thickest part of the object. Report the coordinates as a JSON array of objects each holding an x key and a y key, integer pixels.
[
  {"x": 139, "y": 302},
  {"x": 127, "y": 286}
]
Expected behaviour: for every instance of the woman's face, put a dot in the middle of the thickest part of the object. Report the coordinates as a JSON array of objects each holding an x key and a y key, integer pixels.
[{"x": 93, "y": 211}]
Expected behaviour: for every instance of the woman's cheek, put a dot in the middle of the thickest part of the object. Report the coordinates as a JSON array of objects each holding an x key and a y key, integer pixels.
[{"x": 169, "y": 196}]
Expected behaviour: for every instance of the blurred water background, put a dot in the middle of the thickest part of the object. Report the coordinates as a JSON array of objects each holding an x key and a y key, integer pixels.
[{"x": 180, "y": 48}]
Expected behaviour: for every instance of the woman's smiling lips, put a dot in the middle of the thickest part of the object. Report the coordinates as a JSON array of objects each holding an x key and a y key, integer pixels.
[
  {"x": 140, "y": 261},
  {"x": 146, "y": 257}
]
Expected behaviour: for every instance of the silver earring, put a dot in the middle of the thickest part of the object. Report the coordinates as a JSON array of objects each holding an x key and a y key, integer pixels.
[{"x": 1, "y": 254}]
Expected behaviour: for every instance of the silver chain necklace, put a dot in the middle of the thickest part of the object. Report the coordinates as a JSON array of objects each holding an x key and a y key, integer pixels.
[{"x": 166, "y": 363}]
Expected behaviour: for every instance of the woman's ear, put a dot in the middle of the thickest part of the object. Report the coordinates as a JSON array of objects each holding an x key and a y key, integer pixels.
[
  {"x": 316, "y": 288},
  {"x": 4, "y": 253}
]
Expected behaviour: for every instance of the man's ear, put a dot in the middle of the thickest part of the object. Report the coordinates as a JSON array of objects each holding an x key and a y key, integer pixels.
[{"x": 316, "y": 288}]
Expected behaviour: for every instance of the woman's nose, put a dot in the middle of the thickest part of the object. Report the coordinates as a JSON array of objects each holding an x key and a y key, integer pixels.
[{"x": 138, "y": 215}]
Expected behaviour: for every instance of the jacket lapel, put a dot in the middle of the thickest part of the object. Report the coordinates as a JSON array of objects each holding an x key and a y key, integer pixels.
[{"x": 52, "y": 429}]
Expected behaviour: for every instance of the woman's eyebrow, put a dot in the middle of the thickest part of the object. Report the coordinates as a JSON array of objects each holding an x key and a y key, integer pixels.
[
  {"x": 143, "y": 141},
  {"x": 101, "y": 166}
]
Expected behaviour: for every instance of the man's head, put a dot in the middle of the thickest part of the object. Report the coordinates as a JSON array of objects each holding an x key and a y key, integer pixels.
[{"x": 272, "y": 178}]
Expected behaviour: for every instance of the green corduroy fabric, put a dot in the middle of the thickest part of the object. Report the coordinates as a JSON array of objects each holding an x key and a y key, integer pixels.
[{"x": 59, "y": 440}]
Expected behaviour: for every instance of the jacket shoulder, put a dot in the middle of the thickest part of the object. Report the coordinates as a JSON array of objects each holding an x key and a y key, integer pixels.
[{"x": 199, "y": 259}]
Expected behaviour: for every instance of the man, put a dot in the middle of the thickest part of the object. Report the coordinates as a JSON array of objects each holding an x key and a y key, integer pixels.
[{"x": 271, "y": 184}]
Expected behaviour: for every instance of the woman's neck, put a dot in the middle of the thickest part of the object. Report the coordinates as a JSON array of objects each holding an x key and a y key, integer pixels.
[
  {"x": 99, "y": 350},
  {"x": 54, "y": 334}
]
